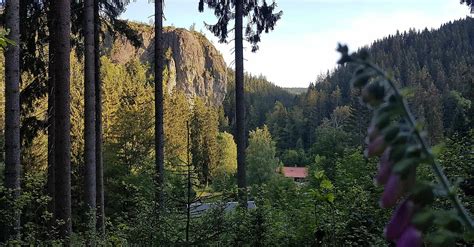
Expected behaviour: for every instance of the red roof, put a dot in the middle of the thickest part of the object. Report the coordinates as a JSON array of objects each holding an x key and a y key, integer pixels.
[{"x": 295, "y": 172}]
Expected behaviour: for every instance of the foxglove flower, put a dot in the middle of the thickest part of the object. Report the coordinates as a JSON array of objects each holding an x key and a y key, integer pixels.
[
  {"x": 376, "y": 146},
  {"x": 385, "y": 168},
  {"x": 400, "y": 220},
  {"x": 372, "y": 132},
  {"x": 411, "y": 237},
  {"x": 392, "y": 192}
]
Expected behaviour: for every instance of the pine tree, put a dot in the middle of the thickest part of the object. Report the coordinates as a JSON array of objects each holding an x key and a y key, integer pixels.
[
  {"x": 111, "y": 10},
  {"x": 177, "y": 113},
  {"x": 159, "y": 137},
  {"x": 89, "y": 115},
  {"x": 262, "y": 18},
  {"x": 469, "y": 3},
  {"x": 50, "y": 183},
  {"x": 240, "y": 101},
  {"x": 100, "y": 197},
  {"x": 12, "y": 116},
  {"x": 62, "y": 136}
]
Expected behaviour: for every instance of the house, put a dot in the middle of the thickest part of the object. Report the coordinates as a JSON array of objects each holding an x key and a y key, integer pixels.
[{"x": 298, "y": 174}]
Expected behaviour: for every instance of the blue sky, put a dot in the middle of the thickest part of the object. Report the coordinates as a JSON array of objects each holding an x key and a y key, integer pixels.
[{"x": 302, "y": 46}]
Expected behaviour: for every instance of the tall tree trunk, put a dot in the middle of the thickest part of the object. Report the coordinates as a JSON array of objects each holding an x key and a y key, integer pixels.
[
  {"x": 50, "y": 184},
  {"x": 240, "y": 103},
  {"x": 189, "y": 181},
  {"x": 98, "y": 126},
  {"x": 89, "y": 115},
  {"x": 12, "y": 114},
  {"x": 159, "y": 142},
  {"x": 62, "y": 121}
]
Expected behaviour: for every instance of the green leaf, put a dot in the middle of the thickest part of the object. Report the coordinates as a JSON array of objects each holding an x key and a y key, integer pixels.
[
  {"x": 382, "y": 119},
  {"x": 319, "y": 175},
  {"x": 360, "y": 80},
  {"x": 408, "y": 92},
  {"x": 394, "y": 108},
  {"x": 423, "y": 194},
  {"x": 397, "y": 152},
  {"x": 403, "y": 166},
  {"x": 443, "y": 238},
  {"x": 450, "y": 221},
  {"x": 423, "y": 220},
  {"x": 413, "y": 151},
  {"x": 391, "y": 133},
  {"x": 326, "y": 184},
  {"x": 331, "y": 197},
  {"x": 468, "y": 236}
]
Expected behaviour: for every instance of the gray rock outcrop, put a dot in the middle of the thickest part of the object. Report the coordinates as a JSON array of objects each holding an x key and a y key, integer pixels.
[{"x": 193, "y": 65}]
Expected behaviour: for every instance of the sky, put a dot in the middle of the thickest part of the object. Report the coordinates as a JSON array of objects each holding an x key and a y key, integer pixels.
[{"x": 303, "y": 44}]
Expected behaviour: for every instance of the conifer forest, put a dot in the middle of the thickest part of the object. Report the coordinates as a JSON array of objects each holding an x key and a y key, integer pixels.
[{"x": 115, "y": 131}]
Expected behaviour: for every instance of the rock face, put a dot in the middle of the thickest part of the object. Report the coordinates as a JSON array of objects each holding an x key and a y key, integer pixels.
[{"x": 194, "y": 65}]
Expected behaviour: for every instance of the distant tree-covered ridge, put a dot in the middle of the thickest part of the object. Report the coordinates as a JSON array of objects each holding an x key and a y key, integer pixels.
[{"x": 434, "y": 68}]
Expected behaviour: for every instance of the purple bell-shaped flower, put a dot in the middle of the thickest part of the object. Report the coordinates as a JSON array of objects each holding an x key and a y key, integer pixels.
[
  {"x": 400, "y": 220},
  {"x": 411, "y": 237},
  {"x": 385, "y": 168},
  {"x": 392, "y": 192}
]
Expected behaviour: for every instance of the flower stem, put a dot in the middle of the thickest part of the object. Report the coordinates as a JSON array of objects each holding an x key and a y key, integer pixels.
[{"x": 446, "y": 185}]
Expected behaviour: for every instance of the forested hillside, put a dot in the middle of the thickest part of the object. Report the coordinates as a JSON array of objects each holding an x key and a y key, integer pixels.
[
  {"x": 261, "y": 95},
  {"x": 434, "y": 69}
]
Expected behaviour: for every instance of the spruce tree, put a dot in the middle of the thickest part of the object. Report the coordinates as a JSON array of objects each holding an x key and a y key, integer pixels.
[
  {"x": 261, "y": 18},
  {"x": 159, "y": 137},
  {"x": 62, "y": 136},
  {"x": 100, "y": 197},
  {"x": 89, "y": 115},
  {"x": 12, "y": 117}
]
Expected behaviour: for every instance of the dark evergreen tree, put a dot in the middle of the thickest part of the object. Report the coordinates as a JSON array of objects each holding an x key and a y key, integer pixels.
[
  {"x": 204, "y": 132},
  {"x": 50, "y": 183},
  {"x": 261, "y": 96},
  {"x": 100, "y": 200},
  {"x": 34, "y": 32},
  {"x": 89, "y": 115},
  {"x": 11, "y": 228},
  {"x": 159, "y": 135},
  {"x": 62, "y": 136},
  {"x": 262, "y": 18},
  {"x": 469, "y": 3}
]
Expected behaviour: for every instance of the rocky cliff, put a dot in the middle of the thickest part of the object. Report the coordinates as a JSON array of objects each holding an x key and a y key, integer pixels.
[{"x": 194, "y": 65}]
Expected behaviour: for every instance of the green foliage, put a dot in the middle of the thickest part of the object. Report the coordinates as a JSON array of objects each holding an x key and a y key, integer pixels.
[
  {"x": 292, "y": 157},
  {"x": 432, "y": 63},
  {"x": 33, "y": 205},
  {"x": 324, "y": 189},
  {"x": 260, "y": 156},
  {"x": 4, "y": 42},
  {"x": 226, "y": 167},
  {"x": 204, "y": 149},
  {"x": 260, "y": 98},
  {"x": 261, "y": 16}
]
